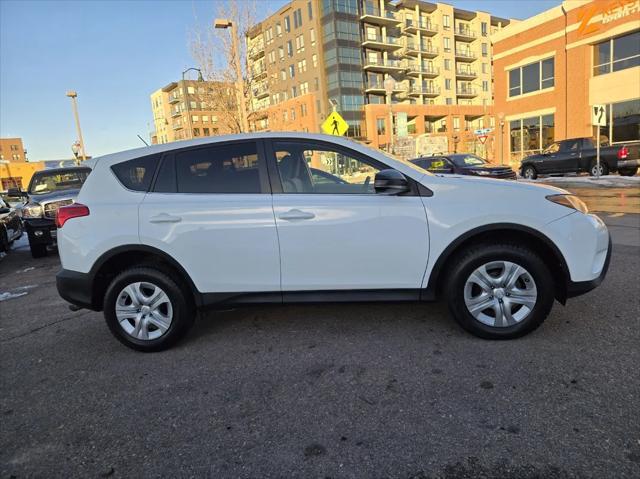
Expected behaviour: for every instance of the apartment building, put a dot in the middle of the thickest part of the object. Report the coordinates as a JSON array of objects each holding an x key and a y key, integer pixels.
[
  {"x": 552, "y": 68},
  {"x": 436, "y": 58},
  {"x": 188, "y": 109},
  {"x": 11, "y": 149}
]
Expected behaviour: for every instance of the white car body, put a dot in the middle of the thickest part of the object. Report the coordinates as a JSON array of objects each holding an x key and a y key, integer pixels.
[{"x": 233, "y": 244}]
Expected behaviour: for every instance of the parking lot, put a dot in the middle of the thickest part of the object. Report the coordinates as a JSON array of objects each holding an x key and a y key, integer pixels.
[{"x": 360, "y": 390}]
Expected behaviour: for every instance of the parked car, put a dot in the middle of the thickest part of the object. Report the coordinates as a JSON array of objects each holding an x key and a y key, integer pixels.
[
  {"x": 464, "y": 164},
  {"x": 161, "y": 231},
  {"x": 578, "y": 155},
  {"x": 10, "y": 225},
  {"x": 48, "y": 190}
]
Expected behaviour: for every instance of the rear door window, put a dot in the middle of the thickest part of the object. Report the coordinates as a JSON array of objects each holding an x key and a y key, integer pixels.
[
  {"x": 231, "y": 168},
  {"x": 137, "y": 174}
]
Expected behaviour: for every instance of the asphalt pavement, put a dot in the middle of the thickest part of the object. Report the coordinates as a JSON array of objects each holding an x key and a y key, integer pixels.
[{"x": 339, "y": 391}]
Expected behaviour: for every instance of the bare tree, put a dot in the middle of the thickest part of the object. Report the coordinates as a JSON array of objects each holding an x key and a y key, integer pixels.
[{"x": 216, "y": 51}]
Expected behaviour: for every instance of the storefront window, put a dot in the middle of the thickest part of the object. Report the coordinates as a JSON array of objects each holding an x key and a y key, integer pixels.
[
  {"x": 548, "y": 131},
  {"x": 530, "y": 135},
  {"x": 617, "y": 54},
  {"x": 624, "y": 121}
]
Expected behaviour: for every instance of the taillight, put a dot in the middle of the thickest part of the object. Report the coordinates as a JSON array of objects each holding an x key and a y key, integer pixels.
[
  {"x": 65, "y": 213},
  {"x": 623, "y": 153}
]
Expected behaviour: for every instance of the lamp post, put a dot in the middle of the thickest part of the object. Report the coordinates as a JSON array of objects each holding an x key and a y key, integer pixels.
[
  {"x": 74, "y": 95},
  {"x": 501, "y": 120},
  {"x": 390, "y": 85},
  {"x": 224, "y": 23},
  {"x": 189, "y": 122}
]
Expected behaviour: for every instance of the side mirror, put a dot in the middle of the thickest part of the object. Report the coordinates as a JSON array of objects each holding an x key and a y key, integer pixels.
[
  {"x": 391, "y": 182},
  {"x": 15, "y": 192}
]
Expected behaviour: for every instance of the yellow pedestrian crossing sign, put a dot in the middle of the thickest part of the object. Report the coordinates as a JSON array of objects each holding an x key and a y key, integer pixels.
[{"x": 335, "y": 125}]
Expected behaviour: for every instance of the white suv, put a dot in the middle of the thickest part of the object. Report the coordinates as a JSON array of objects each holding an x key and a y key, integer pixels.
[{"x": 159, "y": 232}]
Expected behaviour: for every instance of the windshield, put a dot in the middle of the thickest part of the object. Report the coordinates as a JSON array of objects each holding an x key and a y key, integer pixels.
[
  {"x": 467, "y": 160},
  {"x": 44, "y": 182}
]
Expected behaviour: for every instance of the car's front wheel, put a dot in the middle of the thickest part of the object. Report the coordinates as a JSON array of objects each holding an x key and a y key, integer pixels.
[
  {"x": 147, "y": 310},
  {"x": 499, "y": 291},
  {"x": 529, "y": 172},
  {"x": 601, "y": 170}
]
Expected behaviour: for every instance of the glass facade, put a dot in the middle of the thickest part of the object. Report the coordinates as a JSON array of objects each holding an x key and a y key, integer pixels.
[
  {"x": 530, "y": 135},
  {"x": 616, "y": 54},
  {"x": 623, "y": 122}
]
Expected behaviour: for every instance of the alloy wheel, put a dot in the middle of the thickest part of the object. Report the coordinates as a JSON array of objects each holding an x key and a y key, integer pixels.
[
  {"x": 144, "y": 311},
  {"x": 500, "y": 294}
]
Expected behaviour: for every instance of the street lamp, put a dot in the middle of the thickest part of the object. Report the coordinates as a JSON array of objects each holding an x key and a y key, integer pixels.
[
  {"x": 223, "y": 23},
  {"x": 501, "y": 119},
  {"x": 74, "y": 95},
  {"x": 389, "y": 86},
  {"x": 189, "y": 122}
]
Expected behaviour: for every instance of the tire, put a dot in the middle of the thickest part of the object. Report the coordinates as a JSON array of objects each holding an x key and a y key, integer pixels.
[
  {"x": 628, "y": 171},
  {"x": 460, "y": 289},
  {"x": 529, "y": 172},
  {"x": 177, "y": 307},
  {"x": 4, "y": 241},
  {"x": 38, "y": 250},
  {"x": 593, "y": 169}
]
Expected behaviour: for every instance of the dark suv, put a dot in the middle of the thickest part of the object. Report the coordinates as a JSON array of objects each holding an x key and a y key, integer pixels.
[
  {"x": 48, "y": 190},
  {"x": 464, "y": 164}
]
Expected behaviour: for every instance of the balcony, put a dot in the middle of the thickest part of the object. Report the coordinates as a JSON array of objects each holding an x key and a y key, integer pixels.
[
  {"x": 376, "y": 16},
  {"x": 414, "y": 26},
  {"x": 430, "y": 91},
  {"x": 424, "y": 70},
  {"x": 413, "y": 49},
  {"x": 466, "y": 74},
  {"x": 260, "y": 92},
  {"x": 379, "y": 65},
  {"x": 177, "y": 125},
  {"x": 175, "y": 113},
  {"x": 381, "y": 43},
  {"x": 377, "y": 87},
  {"x": 256, "y": 52},
  {"x": 465, "y": 55},
  {"x": 466, "y": 92},
  {"x": 174, "y": 99},
  {"x": 464, "y": 34},
  {"x": 258, "y": 73}
]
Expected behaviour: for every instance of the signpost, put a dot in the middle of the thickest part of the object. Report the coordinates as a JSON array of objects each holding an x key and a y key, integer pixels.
[
  {"x": 598, "y": 119},
  {"x": 335, "y": 125}
]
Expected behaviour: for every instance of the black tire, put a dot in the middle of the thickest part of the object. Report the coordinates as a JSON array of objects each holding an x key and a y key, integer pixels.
[
  {"x": 4, "y": 240},
  {"x": 181, "y": 303},
  {"x": 477, "y": 255},
  {"x": 594, "y": 168},
  {"x": 38, "y": 250},
  {"x": 529, "y": 172},
  {"x": 628, "y": 171}
]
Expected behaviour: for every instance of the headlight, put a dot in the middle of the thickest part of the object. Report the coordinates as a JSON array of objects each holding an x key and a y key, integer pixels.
[
  {"x": 32, "y": 210},
  {"x": 482, "y": 173},
  {"x": 570, "y": 201}
]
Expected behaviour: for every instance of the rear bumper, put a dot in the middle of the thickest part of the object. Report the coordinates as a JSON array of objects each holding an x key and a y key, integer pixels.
[
  {"x": 41, "y": 231},
  {"x": 76, "y": 288},
  {"x": 576, "y": 288},
  {"x": 628, "y": 164}
]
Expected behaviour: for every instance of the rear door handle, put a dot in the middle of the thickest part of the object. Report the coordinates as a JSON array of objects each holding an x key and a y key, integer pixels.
[
  {"x": 165, "y": 218},
  {"x": 296, "y": 214}
]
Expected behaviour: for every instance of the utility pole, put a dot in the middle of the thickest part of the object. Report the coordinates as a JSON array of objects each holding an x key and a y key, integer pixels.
[
  {"x": 186, "y": 97},
  {"x": 74, "y": 95},
  {"x": 235, "y": 55}
]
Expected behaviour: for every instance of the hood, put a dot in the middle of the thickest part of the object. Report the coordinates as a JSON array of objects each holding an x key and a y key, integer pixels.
[
  {"x": 55, "y": 195},
  {"x": 492, "y": 184},
  {"x": 487, "y": 167}
]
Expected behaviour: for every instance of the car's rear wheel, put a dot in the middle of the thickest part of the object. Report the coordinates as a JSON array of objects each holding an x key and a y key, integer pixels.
[
  {"x": 601, "y": 170},
  {"x": 627, "y": 171},
  {"x": 147, "y": 310},
  {"x": 529, "y": 172},
  {"x": 4, "y": 240},
  {"x": 499, "y": 291}
]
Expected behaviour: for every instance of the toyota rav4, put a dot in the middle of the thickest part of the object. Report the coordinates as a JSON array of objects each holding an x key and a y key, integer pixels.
[{"x": 160, "y": 232}]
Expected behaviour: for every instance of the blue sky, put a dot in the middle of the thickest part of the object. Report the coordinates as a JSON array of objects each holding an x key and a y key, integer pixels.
[{"x": 114, "y": 54}]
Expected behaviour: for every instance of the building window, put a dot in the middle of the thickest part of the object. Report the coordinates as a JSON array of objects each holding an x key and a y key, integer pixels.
[
  {"x": 531, "y": 135},
  {"x": 281, "y": 53},
  {"x": 312, "y": 36},
  {"x": 278, "y": 29},
  {"x": 616, "y": 54},
  {"x": 290, "y": 48},
  {"x": 447, "y": 44},
  {"x": 287, "y": 24},
  {"x": 483, "y": 28},
  {"x": 283, "y": 75},
  {"x": 297, "y": 18},
  {"x": 381, "y": 126},
  {"x": 303, "y": 110},
  {"x": 484, "y": 68},
  {"x": 300, "y": 43},
  {"x": 447, "y": 64},
  {"x": 292, "y": 71},
  {"x": 485, "y": 50},
  {"x": 623, "y": 122},
  {"x": 485, "y": 85},
  {"x": 196, "y": 132},
  {"x": 310, "y": 11},
  {"x": 446, "y": 22},
  {"x": 456, "y": 123},
  {"x": 449, "y": 101},
  {"x": 447, "y": 84},
  {"x": 533, "y": 77},
  {"x": 205, "y": 131},
  {"x": 314, "y": 59},
  {"x": 304, "y": 88}
]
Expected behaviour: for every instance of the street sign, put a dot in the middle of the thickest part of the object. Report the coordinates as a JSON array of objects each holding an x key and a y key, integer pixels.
[
  {"x": 482, "y": 138},
  {"x": 598, "y": 115},
  {"x": 335, "y": 125},
  {"x": 482, "y": 131}
]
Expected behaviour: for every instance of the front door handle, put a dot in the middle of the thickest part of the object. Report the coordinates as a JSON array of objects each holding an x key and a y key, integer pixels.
[
  {"x": 295, "y": 214},
  {"x": 165, "y": 218}
]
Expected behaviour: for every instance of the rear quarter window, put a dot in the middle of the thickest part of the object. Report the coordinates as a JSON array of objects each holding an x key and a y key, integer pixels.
[{"x": 137, "y": 174}]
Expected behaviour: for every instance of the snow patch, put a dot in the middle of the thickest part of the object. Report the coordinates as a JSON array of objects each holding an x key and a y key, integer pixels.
[
  {"x": 7, "y": 295},
  {"x": 590, "y": 181}
]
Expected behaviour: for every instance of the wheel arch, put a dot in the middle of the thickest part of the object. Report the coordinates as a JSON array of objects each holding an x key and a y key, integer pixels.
[
  {"x": 120, "y": 258},
  {"x": 506, "y": 232}
]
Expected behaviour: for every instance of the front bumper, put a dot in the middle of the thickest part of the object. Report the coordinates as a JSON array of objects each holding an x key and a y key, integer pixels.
[
  {"x": 76, "y": 288},
  {"x": 576, "y": 288},
  {"x": 41, "y": 231}
]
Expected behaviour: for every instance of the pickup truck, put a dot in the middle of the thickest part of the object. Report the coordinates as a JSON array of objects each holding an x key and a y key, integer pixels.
[
  {"x": 48, "y": 190},
  {"x": 577, "y": 155}
]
